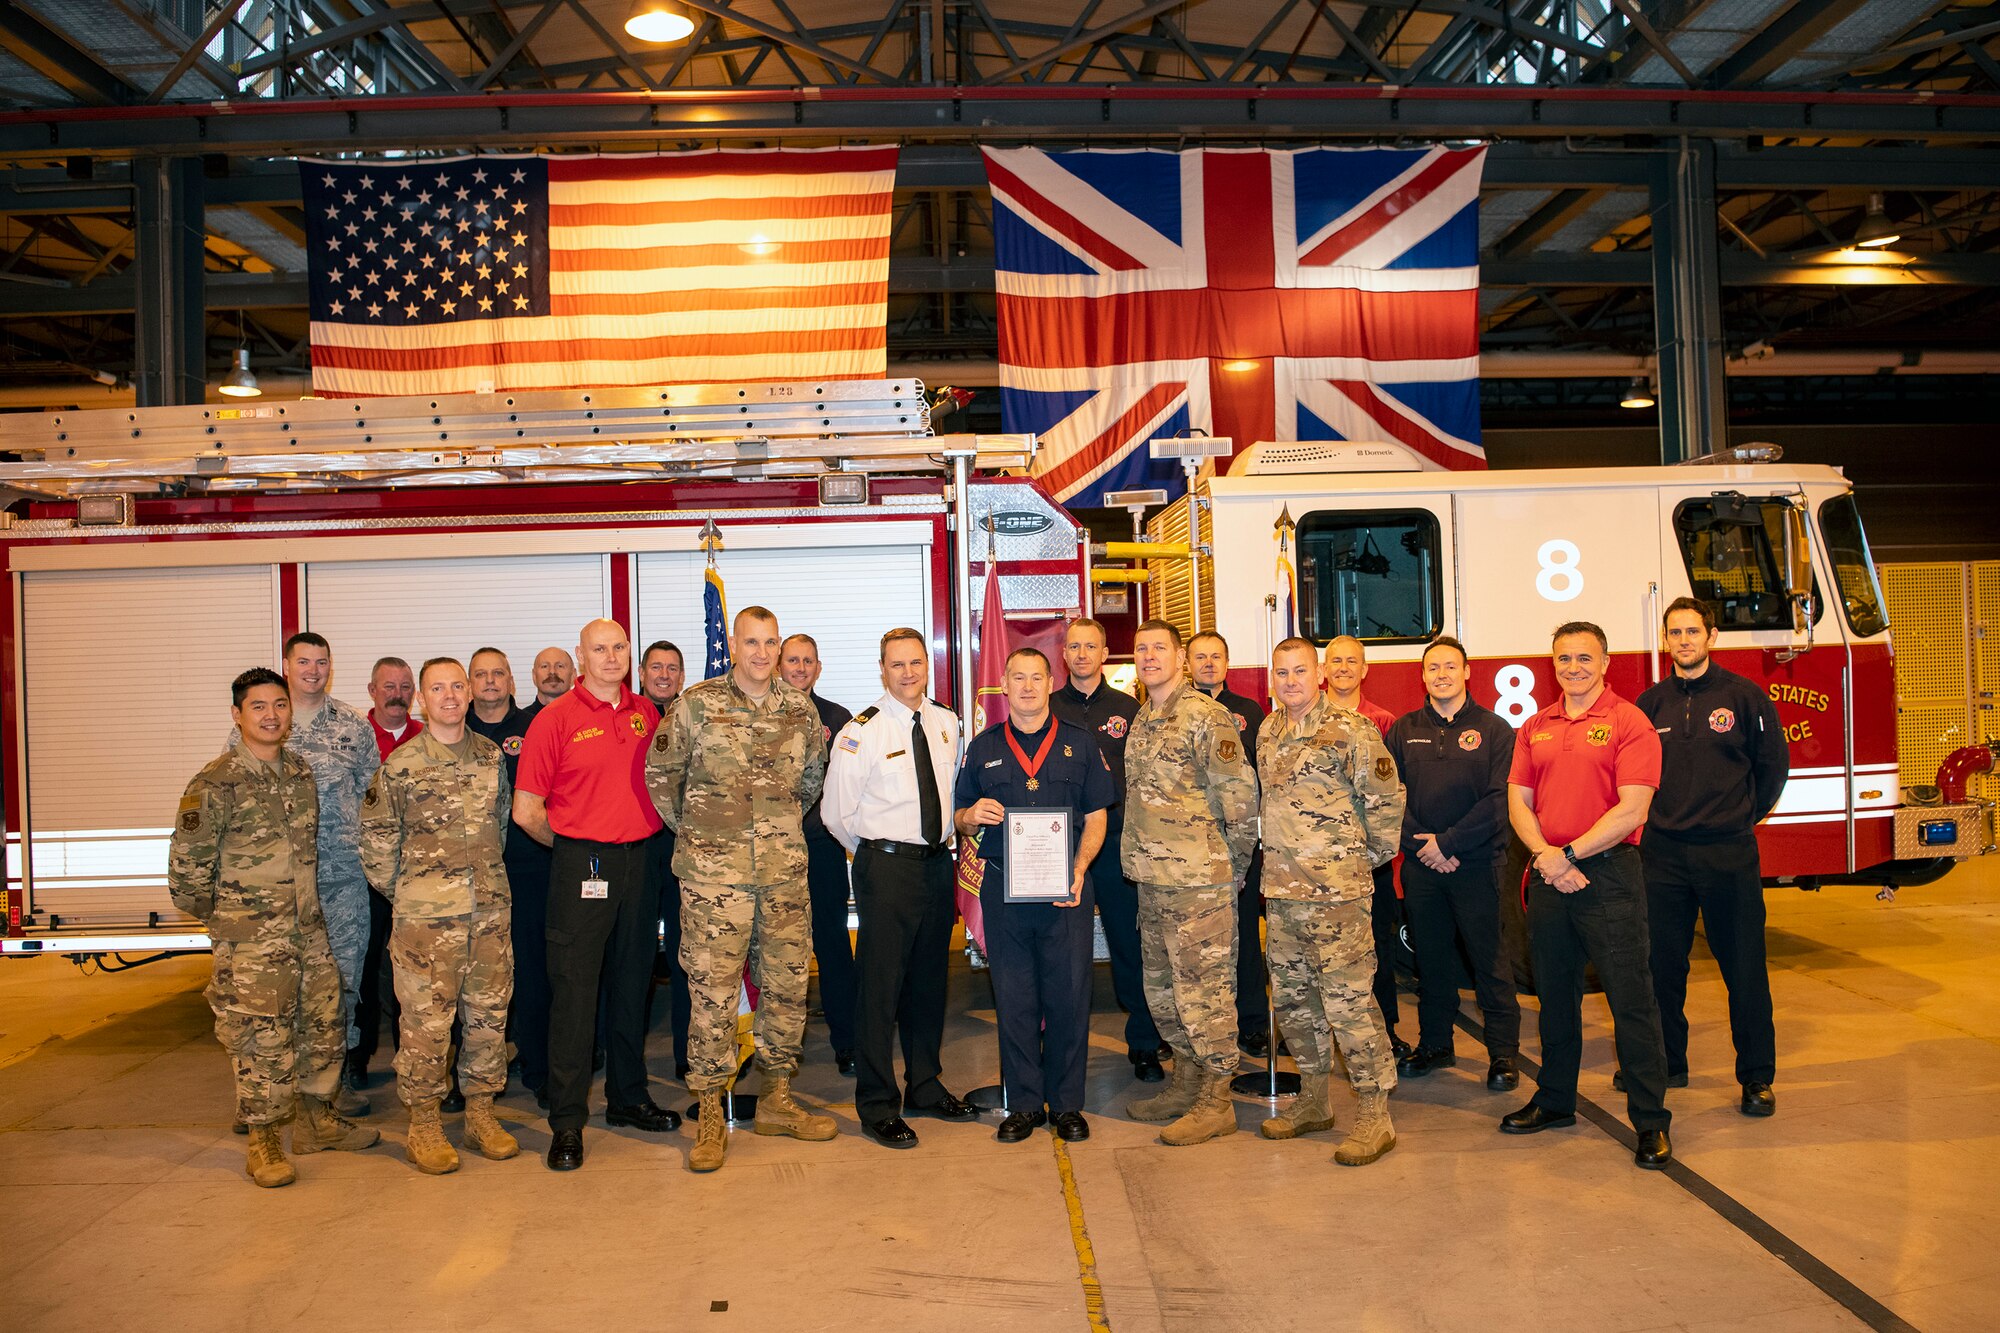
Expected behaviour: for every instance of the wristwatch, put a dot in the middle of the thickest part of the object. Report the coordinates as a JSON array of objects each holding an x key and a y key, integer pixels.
[{"x": 1569, "y": 853}]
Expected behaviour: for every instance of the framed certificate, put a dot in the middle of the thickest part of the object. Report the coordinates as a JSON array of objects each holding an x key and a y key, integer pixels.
[{"x": 1039, "y": 865}]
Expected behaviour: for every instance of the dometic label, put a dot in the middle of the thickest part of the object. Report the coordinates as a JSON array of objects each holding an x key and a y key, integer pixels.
[{"x": 1017, "y": 522}]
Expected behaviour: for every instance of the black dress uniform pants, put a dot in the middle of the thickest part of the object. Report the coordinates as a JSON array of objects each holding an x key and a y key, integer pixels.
[
  {"x": 833, "y": 947},
  {"x": 1723, "y": 884},
  {"x": 1040, "y": 958},
  {"x": 377, "y": 996},
  {"x": 1118, "y": 909},
  {"x": 901, "y": 961},
  {"x": 1444, "y": 909},
  {"x": 591, "y": 940},
  {"x": 1385, "y": 913},
  {"x": 1603, "y": 924},
  {"x": 528, "y": 1016},
  {"x": 667, "y": 964},
  {"x": 1252, "y": 1012}
]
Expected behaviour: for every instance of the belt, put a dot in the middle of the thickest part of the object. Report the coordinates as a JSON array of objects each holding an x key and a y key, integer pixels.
[{"x": 913, "y": 851}]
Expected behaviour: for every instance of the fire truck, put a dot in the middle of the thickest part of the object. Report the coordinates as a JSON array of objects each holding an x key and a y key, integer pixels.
[{"x": 1329, "y": 539}]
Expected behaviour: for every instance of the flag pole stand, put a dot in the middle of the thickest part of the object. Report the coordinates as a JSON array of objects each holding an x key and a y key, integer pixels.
[{"x": 1274, "y": 1084}]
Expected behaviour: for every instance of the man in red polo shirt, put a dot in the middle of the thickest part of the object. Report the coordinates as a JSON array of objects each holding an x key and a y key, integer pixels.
[
  {"x": 1585, "y": 770},
  {"x": 1345, "y": 667},
  {"x": 581, "y": 790},
  {"x": 393, "y": 689}
]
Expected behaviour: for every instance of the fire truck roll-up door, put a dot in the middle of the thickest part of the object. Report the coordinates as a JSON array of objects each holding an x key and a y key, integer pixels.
[
  {"x": 423, "y": 608},
  {"x": 125, "y": 680}
]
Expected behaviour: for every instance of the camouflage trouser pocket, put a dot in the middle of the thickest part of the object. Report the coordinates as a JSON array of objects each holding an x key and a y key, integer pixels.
[{"x": 255, "y": 995}]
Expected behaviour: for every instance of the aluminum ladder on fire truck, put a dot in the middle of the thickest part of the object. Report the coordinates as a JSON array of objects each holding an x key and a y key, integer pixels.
[{"x": 743, "y": 430}]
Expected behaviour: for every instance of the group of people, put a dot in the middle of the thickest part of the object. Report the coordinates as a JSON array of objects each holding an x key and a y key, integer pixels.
[{"x": 540, "y": 870}]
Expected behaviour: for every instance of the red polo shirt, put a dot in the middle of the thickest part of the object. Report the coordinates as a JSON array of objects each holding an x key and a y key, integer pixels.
[
  {"x": 1381, "y": 717},
  {"x": 386, "y": 740},
  {"x": 586, "y": 759},
  {"x": 1575, "y": 765}
]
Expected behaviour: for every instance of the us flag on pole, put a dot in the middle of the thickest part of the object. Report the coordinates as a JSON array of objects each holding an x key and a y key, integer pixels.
[
  {"x": 1264, "y": 295},
  {"x": 491, "y": 274}
]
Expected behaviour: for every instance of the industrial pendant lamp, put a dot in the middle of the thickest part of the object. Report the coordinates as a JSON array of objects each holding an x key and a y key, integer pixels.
[
  {"x": 1876, "y": 229},
  {"x": 239, "y": 382},
  {"x": 658, "y": 21},
  {"x": 1638, "y": 394}
]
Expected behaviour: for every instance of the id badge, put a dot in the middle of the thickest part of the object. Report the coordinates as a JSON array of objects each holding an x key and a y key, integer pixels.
[{"x": 596, "y": 888}]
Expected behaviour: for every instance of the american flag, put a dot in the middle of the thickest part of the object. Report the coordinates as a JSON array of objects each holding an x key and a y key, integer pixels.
[
  {"x": 493, "y": 273},
  {"x": 1310, "y": 294},
  {"x": 714, "y": 625}
]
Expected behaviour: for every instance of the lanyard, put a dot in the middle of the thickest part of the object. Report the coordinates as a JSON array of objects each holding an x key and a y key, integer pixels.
[
  {"x": 593, "y": 869},
  {"x": 1033, "y": 766}
]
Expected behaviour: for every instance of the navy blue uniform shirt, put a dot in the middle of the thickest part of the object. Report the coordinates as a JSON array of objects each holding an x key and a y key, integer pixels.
[
  {"x": 1074, "y": 776},
  {"x": 1724, "y": 759},
  {"x": 1107, "y": 714},
  {"x": 1455, "y": 775},
  {"x": 832, "y": 717},
  {"x": 507, "y": 734},
  {"x": 1248, "y": 714}
]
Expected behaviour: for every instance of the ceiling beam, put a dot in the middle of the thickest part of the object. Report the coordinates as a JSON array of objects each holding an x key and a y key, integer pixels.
[
  {"x": 52, "y": 56},
  {"x": 1780, "y": 40}
]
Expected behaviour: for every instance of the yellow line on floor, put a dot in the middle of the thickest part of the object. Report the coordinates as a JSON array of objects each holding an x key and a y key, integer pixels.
[{"x": 1079, "y": 1236}]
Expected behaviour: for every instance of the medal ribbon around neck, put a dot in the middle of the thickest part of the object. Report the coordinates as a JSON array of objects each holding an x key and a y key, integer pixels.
[{"x": 1033, "y": 766}]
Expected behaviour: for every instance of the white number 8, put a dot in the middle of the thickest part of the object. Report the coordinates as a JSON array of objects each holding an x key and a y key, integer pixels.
[
  {"x": 1558, "y": 558},
  {"x": 1516, "y": 701}
]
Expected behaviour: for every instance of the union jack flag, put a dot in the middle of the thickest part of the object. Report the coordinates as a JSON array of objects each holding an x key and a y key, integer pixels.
[{"x": 1263, "y": 295}]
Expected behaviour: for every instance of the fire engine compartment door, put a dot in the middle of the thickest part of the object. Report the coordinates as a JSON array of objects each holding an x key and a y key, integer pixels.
[{"x": 125, "y": 694}]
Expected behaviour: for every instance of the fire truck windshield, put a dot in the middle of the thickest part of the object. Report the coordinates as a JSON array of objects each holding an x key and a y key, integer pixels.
[{"x": 1847, "y": 552}]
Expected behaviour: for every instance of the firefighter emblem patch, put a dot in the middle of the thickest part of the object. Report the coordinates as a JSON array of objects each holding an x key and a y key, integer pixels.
[
  {"x": 1598, "y": 735},
  {"x": 1113, "y": 727},
  {"x": 511, "y": 747},
  {"x": 1721, "y": 720},
  {"x": 1469, "y": 740},
  {"x": 638, "y": 724},
  {"x": 1242, "y": 723}
]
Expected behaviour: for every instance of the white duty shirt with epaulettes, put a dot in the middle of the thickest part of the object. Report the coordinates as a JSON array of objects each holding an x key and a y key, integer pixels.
[{"x": 871, "y": 774}]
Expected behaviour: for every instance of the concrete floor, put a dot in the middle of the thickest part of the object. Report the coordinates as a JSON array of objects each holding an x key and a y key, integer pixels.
[{"x": 122, "y": 1194}]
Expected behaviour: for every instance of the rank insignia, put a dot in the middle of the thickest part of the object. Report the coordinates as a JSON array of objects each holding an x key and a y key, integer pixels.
[{"x": 1067, "y": 753}]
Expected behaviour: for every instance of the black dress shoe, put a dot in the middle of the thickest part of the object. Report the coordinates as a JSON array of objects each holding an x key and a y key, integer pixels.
[
  {"x": 1071, "y": 1127},
  {"x": 1533, "y": 1119},
  {"x": 1255, "y": 1044},
  {"x": 1019, "y": 1125},
  {"x": 894, "y": 1132},
  {"x": 1655, "y": 1150},
  {"x": 1758, "y": 1099},
  {"x": 947, "y": 1108},
  {"x": 1399, "y": 1048},
  {"x": 1679, "y": 1080},
  {"x": 454, "y": 1101},
  {"x": 1424, "y": 1059},
  {"x": 1146, "y": 1068},
  {"x": 566, "y": 1150},
  {"x": 1501, "y": 1076},
  {"x": 645, "y": 1116},
  {"x": 844, "y": 1062}
]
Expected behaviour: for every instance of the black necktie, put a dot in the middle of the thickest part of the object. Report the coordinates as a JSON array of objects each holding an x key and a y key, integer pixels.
[{"x": 927, "y": 792}]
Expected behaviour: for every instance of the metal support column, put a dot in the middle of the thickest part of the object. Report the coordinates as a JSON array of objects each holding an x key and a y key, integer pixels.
[
  {"x": 1687, "y": 303},
  {"x": 168, "y": 367}
]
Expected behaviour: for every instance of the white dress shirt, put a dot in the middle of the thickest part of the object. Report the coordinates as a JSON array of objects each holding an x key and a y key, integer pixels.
[{"x": 871, "y": 774}]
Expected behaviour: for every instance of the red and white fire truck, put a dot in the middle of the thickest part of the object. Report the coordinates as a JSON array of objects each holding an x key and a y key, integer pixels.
[{"x": 1393, "y": 554}]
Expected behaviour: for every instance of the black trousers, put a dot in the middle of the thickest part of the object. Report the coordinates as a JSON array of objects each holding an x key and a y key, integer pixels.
[
  {"x": 901, "y": 961},
  {"x": 1118, "y": 909},
  {"x": 1443, "y": 910},
  {"x": 1040, "y": 957},
  {"x": 1252, "y": 1012},
  {"x": 591, "y": 940},
  {"x": 667, "y": 965},
  {"x": 1385, "y": 913},
  {"x": 528, "y": 1014},
  {"x": 833, "y": 947},
  {"x": 378, "y": 994},
  {"x": 1603, "y": 924},
  {"x": 1723, "y": 884}
]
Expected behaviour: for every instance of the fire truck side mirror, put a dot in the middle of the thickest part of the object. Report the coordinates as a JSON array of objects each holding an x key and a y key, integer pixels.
[{"x": 1798, "y": 579}]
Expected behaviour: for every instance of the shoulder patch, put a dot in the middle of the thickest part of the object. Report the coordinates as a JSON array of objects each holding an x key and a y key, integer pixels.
[
  {"x": 1385, "y": 769},
  {"x": 1227, "y": 750},
  {"x": 661, "y": 740},
  {"x": 851, "y": 744},
  {"x": 191, "y": 819}
]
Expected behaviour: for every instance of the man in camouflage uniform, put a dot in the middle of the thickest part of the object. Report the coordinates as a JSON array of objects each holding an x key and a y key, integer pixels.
[
  {"x": 1332, "y": 811},
  {"x": 242, "y": 861},
  {"x": 732, "y": 773},
  {"x": 338, "y": 744},
  {"x": 1190, "y": 827},
  {"x": 433, "y": 831}
]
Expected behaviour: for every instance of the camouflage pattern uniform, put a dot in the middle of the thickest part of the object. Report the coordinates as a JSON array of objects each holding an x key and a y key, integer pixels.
[
  {"x": 242, "y": 862},
  {"x": 1190, "y": 809},
  {"x": 339, "y": 745},
  {"x": 433, "y": 827},
  {"x": 733, "y": 777},
  {"x": 1332, "y": 811}
]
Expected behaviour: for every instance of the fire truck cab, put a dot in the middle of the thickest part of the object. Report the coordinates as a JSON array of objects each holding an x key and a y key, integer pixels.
[{"x": 1394, "y": 554}]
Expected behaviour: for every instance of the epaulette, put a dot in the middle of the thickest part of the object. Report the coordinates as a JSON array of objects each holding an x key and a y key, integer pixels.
[{"x": 866, "y": 715}]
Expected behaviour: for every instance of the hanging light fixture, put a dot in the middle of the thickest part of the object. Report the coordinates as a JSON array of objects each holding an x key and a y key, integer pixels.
[
  {"x": 1638, "y": 394},
  {"x": 658, "y": 21},
  {"x": 239, "y": 382},
  {"x": 1876, "y": 228}
]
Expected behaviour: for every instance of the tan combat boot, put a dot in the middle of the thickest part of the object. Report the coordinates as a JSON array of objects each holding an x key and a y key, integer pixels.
[
  {"x": 1372, "y": 1134},
  {"x": 779, "y": 1114},
  {"x": 1176, "y": 1098},
  {"x": 1212, "y": 1115},
  {"x": 483, "y": 1133},
  {"x": 266, "y": 1161},
  {"x": 711, "y": 1135},
  {"x": 349, "y": 1102},
  {"x": 1310, "y": 1111},
  {"x": 428, "y": 1149},
  {"x": 317, "y": 1127}
]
